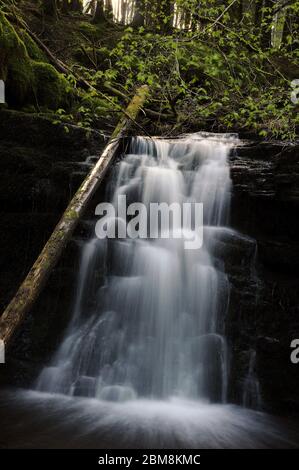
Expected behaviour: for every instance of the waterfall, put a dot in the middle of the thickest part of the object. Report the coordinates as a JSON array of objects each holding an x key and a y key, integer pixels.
[
  {"x": 143, "y": 363},
  {"x": 155, "y": 327}
]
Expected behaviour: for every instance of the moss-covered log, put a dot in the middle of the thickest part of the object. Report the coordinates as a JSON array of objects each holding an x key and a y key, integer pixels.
[{"x": 30, "y": 289}]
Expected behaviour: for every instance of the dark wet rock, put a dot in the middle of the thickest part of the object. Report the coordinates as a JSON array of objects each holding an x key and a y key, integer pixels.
[
  {"x": 70, "y": 142},
  {"x": 233, "y": 248},
  {"x": 22, "y": 237},
  {"x": 274, "y": 366},
  {"x": 264, "y": 313},
  {"x": 38, "y": 160},
  {"x": 265, "y": 197},
  {"x": 77, "y": 178},
  {"x": 279, "y": 255}
]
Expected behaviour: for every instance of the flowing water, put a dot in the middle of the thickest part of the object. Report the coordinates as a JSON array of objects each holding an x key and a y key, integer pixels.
[
  {"x": 144, "y": 361},
  {"x": 155, "y": 328}
]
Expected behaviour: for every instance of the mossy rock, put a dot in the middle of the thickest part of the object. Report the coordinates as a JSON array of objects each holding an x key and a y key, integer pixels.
[
  {"x": 29, "y": 78},
  {"x": 15, "y": 66},
  {"x": 51, "y": 87},
  {"x": 32, "y": 48},
  {"x": 90, "y": 30}
]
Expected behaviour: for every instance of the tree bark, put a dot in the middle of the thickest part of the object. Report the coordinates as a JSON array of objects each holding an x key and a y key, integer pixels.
[
  {"x": 267, "y": 18},
  {"x": 50, "y": 8},
  {"x": 91, "y": 7},
  {"x": 139, "y": 14},
  {"x": 166, "y": 15},
  {"x": 109, "y": 9},
  {"x": 123, "y": 12},
  {"x": 65, "y": 6},
  {"x": 195, "y": 21},
  {"x": 99, "y": 16},
  {"x": 258, "y": 13},
  {"x": 291, "y": 26},
  {"x": 76, "y": 6},
  {"x": 32, "y": 286}
]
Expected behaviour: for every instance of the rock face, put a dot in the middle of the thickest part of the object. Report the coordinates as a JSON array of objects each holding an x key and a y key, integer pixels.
[
  {"x": 263, "y": 317},
  {"x": 43, "y": 166}
]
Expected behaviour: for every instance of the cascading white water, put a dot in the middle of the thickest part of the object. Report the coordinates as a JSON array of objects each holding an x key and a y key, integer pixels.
[{"x": 155, "y": 328}]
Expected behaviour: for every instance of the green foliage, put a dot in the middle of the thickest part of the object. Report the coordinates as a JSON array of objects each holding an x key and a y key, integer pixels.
[
  {"x": 209, "y": 64},
  {"x": 217, "y": 73}
]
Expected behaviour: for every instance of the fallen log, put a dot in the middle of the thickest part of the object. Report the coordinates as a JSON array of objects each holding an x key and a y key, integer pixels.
[
  {"x": 147, "y": 112},
  {"x": 33, "y": 284}
]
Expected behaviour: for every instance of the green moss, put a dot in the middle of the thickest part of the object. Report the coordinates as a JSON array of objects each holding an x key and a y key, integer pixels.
[
  {"x": 50, "y": 86},
  {"x": 90, "y": 30},
  {"x": 71, "y": 214},
  {"x": 29, "y": 79},
  {"x": 15, "y": 67},
  {"x": 94, "y": 102},
  {"x": 33, "y": 50}
]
